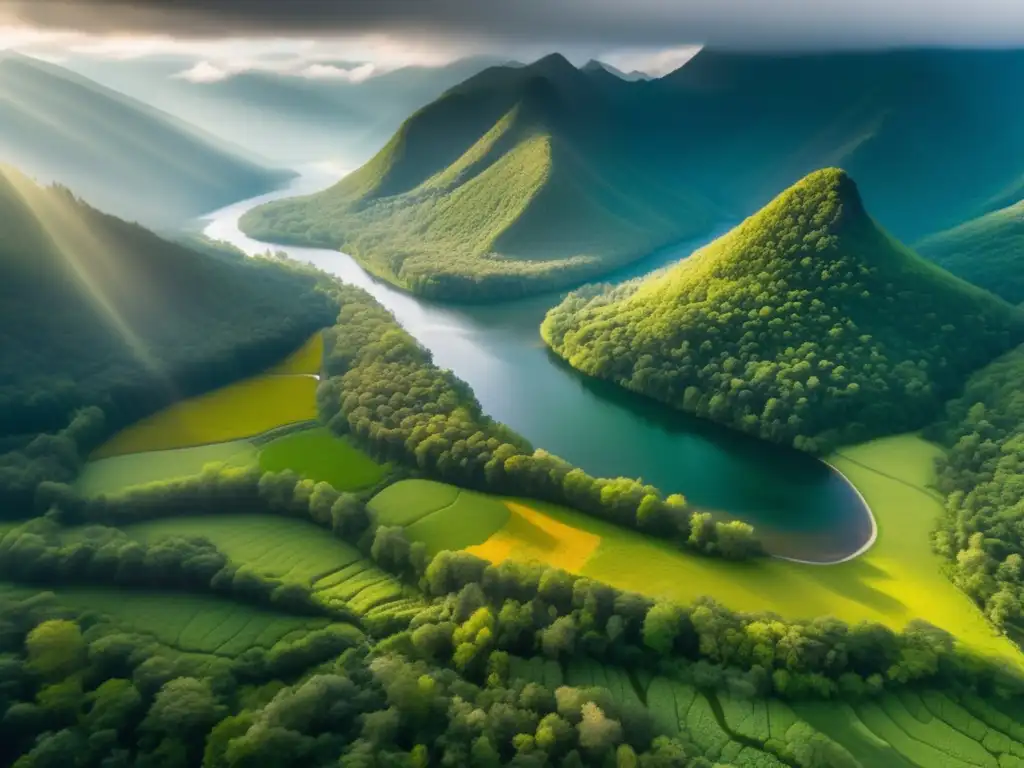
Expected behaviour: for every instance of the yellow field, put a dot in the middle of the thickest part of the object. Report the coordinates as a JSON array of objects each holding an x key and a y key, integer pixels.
[
  {"x": 307, "y": 359},
  {"x": 243, "y": 409},
  {"x": 531, "y": 535},
  {"x": 897, "y": 580}
]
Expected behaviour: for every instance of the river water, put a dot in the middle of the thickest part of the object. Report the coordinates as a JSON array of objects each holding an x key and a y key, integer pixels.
[{"x": 801, "y": 508}]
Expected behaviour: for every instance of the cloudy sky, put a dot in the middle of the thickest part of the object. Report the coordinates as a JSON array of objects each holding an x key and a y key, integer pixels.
[{"x": 310, "y": 37}]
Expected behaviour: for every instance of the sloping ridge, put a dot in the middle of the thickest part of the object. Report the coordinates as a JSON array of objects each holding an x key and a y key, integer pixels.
[{"x": 806, "y": 324}]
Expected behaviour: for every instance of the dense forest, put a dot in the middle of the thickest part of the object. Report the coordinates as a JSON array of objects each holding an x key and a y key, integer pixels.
[
  {"x": 123, "y": 155},
  {"x": 987, "y": 251},
  {"x": 525, "y": 179},
  {"x": 982, "y": 533},
  {"x": 807, "y": 325},
  {"x": 109, "y": 314}
]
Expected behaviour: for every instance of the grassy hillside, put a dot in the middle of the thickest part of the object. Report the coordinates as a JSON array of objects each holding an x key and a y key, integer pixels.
[
  {"x": 807, "y": 324},
  {"x": 122, "y": 154},
  {"x": 517, "y": 181},
  {"x": 987, "y": 251},
  {"x": 102, "y": 312}
]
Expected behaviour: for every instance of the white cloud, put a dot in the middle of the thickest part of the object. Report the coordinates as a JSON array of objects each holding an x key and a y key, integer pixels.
[
  {"x": 204, "y": 72},
  {"x": 331, "y": 72}
]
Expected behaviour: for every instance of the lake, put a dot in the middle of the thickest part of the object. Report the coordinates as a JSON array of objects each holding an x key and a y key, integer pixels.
[{"x": 801, "y": 508}]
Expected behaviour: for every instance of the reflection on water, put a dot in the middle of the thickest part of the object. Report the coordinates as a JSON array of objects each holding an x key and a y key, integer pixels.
[{"x": 800, "y": 507}]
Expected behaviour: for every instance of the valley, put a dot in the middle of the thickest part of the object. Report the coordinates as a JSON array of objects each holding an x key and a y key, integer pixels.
[{"x": 363, "y": 472}]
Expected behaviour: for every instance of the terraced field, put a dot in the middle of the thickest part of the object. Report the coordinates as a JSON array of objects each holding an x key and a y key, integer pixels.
[
  {"x": 119, "y": 472},
  {"x": 297, "y": 551},
  {"x": 442, "y": 516},
  {"x": 319, "y": 455},
  {"x": 190, "y": 622},
  {"x": 908, "y": 729}
]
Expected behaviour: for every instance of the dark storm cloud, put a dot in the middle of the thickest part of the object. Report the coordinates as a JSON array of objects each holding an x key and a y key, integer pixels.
[{"x": 743, "y": 23}]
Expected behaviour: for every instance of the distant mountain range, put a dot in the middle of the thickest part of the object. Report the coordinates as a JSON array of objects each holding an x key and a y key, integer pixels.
[
  {"x": 523, "y": 179},
  {"x": 807, "y": 324},
  {"x": 286, "y": 118},
  {"x": 124, "y": 155}
]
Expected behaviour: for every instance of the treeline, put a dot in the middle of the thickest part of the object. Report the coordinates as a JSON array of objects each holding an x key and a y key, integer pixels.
[
  {"x": 531, "y": 609},
  {"x": 382, "y": 387},
  {"x": 981, "y": 534},
  {"x": 139, "y": 321},
  {"x": 806, "y": 325},
  {"x": 487, "y": 612},
  {"x": 40, "y": 554}
]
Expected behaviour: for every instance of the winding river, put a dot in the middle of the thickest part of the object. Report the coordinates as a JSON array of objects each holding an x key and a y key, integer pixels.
[{"x": 801, "y": 508}]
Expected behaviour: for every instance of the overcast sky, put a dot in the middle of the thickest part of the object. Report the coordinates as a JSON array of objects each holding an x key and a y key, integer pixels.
[{"x": 651, "y": 34}]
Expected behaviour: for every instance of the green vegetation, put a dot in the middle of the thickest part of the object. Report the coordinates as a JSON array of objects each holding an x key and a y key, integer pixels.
[
  {"x": 987, "y": 251},
  {"x": 111, "y": 315},
  {"x": 382, "y": 388},
  {"x": 806, "y": 325},
  {"x": 518, "y": 181},
  {"x": 191, "y": 623},
  {"x": 319, "y": 455},
  {"x": 980, "y": 534},
  {"x": 117, "y": 473},
  {"x": 441, "y": 516},
  {"x": 124, "y": 155}
]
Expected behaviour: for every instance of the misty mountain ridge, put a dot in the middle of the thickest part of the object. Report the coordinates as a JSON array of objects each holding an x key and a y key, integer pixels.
[{"x": 124, "y": 155}]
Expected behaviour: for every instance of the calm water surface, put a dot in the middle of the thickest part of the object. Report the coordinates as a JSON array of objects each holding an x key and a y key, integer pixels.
[{"x": 800, "y": 507}]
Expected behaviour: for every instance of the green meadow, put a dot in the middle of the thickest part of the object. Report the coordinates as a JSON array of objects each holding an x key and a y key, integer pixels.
[
  {"x": 441, "y": 516},
  {"x": 291, "y": 550},
  {"x": 119, "y": 472},
  {"x": 320, "y": 455},
  {"x": 192, "y": 623}
]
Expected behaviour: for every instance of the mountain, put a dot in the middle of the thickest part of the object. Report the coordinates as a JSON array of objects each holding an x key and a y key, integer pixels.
[
  {"x": 519, "y": 180},
  {"x": 287, "y": 118},
  {"x": 122, "y": 154},
  {"x": 524, "y": 179},
  {"x": 806, "y": 324},
  {"x": 97, "y": 311},
  {"x": 595, "y": 66},
  {"x": 932, "y": 136},
  {"x": 987, "y": 251}
]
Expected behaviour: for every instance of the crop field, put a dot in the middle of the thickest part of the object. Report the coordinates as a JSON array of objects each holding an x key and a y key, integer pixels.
[
  {"x": 243, "y": 409},
  {"x": 442, "y": 516},
  {"x": 191, "y": 623},
  {"x": 119, "y": 472},
  {"x": 320, "y": 455},
  {"x": 532, "y": 535},
  {"x": 307, "y": 359},
  {"x": 293, "y": 550}
]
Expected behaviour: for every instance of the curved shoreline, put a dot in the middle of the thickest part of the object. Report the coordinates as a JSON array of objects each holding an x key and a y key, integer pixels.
[{"x": 864, "y": 547}]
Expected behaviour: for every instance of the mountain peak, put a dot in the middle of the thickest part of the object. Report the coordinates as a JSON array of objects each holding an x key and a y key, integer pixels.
[{"x": 552, "y": 64}]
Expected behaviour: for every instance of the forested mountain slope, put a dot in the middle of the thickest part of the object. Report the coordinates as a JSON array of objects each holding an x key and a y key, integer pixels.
[
  {"x": 322, "y": 118},
  {"x": 987, "y": 251},
  {"x": 807, "y": 324},
  {"x": 109, "y": 314},
  {"x": 518, "y": 180},
  {"x": 122, "y": 154}
]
